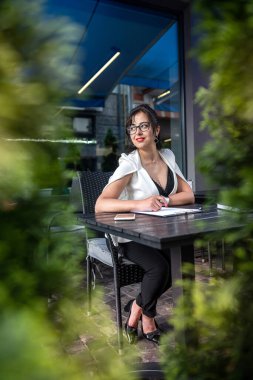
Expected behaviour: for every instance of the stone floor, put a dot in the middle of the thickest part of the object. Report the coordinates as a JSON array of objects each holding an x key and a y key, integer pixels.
[{"x": 148, "y": 352}]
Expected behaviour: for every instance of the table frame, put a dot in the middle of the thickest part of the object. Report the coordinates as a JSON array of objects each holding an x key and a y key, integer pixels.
[{"x": 176, "y": 233}]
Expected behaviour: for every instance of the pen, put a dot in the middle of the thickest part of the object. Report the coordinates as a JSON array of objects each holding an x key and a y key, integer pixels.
[{"x": 166, "y": 202}]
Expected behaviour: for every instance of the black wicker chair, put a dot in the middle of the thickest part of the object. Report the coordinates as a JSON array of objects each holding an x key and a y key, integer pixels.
[{"x": 103, "y": 249}]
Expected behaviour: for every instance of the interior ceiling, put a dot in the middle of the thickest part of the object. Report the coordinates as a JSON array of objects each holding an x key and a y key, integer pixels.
[{"x": 108, "y": 26}]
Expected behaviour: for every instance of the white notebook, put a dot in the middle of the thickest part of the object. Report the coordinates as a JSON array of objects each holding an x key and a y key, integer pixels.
[{"x": 170, "y": 211}]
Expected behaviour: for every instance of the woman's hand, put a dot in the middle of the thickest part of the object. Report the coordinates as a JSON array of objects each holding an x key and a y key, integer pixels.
[{"x": 153, "y": 203}]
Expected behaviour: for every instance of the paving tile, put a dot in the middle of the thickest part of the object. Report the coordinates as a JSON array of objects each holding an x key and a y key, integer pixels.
[{"x": 148, "y": 352}]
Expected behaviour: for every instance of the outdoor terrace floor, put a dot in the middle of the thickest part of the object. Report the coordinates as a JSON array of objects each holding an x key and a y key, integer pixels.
[{"x": 148, "y": 352}]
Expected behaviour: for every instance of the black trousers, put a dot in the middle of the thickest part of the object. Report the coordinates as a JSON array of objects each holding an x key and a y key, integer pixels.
[{"x": 157, "y": 277}]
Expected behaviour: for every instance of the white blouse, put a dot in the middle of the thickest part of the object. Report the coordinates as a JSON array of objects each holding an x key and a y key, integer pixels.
[{"x": 141, "y": 185}]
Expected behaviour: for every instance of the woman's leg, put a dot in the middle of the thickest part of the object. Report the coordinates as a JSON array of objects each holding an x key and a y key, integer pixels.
[{"x": 157, "y": 277}]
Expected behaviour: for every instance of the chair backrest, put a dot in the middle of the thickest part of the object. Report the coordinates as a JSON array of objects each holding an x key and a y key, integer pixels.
[{"x": 91, "y": 186}]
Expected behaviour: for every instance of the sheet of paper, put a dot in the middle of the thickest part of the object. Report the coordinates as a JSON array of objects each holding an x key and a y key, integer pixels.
[
  {"x": 170, "y": 211},
  {"x": 227, "y": 208}
]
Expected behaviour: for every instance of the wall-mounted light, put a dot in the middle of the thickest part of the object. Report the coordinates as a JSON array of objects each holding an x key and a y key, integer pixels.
[
  {"x": 99, "y": 72},
  {"x": 163, "y": 94}
]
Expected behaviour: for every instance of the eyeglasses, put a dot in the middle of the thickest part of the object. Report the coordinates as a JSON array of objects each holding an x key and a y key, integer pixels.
[{"x": 132, "y": 129}]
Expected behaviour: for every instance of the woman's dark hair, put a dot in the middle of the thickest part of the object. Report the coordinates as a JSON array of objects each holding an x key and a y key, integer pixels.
[{"x": 152, "y": 116}]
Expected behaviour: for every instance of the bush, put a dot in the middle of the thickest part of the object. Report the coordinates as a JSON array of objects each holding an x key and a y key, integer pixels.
[
  {"x": 42, "y": 308},
  {"x": 219, "y": 314}
]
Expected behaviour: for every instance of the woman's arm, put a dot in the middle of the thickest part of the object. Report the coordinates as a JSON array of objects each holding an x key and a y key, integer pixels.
[
  {"x": 184, "y": 194},
  {"x": 108, "y": 200}
]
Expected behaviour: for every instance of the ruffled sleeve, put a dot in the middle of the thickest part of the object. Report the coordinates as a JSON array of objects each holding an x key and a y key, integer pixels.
[{"x": 126, "y": 166}]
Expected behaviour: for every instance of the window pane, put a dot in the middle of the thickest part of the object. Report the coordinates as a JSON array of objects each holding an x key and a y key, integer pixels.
[{"x": 154, "y": 79}]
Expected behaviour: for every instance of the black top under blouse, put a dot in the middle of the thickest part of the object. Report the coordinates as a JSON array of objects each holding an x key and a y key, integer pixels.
[{"x": 169, "y": 186}]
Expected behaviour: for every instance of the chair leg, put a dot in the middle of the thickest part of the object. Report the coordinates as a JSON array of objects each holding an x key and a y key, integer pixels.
[
  {"x": 223, "y": 255},
  {"x": 203, "y": 259},
  {"x": 210, "y": 259},
  {"x": 220, "y": 249},
  {"x": 88, "y": 267},
  {"x": 118, "y": 310}
]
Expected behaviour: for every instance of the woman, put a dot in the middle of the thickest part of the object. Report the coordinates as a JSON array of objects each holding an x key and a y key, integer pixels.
[{"x": 145, "y": 180}]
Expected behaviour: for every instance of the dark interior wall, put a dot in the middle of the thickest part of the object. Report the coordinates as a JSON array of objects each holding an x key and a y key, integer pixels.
[
  {"x": 194, "y": 78},
  {"x": 199, "y": 79},
  {"x": 200, "y": 137}
]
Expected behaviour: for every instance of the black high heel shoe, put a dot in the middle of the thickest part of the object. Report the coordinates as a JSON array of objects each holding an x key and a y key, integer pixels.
[
  {"x": 153, "y": 336},
  {"x": 131, "y": 332}
]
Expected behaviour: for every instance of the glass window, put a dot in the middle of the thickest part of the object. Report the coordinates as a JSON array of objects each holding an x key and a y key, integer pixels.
[
  {"x": 153, "y": 79},
  {"x": 147, "y": 71}
]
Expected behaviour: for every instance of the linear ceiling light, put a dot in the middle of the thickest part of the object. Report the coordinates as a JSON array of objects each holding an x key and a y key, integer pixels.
[
  {"x": 163, "y": 94},
  {"x": 99, "y": 72}
]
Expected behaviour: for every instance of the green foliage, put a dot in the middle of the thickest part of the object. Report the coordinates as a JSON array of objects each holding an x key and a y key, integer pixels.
[
  {"x": 227, "y": 104},
  {"x": 110, "y": 161},
  {"x": 221, "y": 332},
  {"x": 219, "y": 314},
  {"x": 42, "y": 307},
  {"x": 110, "y": 140}
]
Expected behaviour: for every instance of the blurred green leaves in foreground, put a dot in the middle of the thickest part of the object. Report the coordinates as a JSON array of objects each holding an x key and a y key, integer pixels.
[
  {"x": 42, "y": 307},
  {"x": 219, "y": 314}
]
